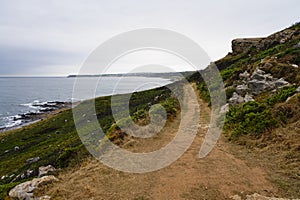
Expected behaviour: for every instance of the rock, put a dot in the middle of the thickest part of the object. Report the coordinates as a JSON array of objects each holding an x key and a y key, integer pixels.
[
  {"x": 248, "y": 98},
  {"x": 32, "y": 160},
  {"x": 224, "y": 108},
  {"x": 242, "y": 89},
  {"x": 25, "y": 190},
  {"x": 258, "y": 75},
  {"x": 268, "y": 65},
  {"x": 258, "y": 87},
  {"x": 236, "y": 99},
  {"x": 242, "y": 45},
  {"x": 294, "y": 65},
  {"x": 43, "y": 170},
  {"x": 244, "y": 75},
  {"x": 4, "y": 177},
  {"x": 280, "y": 82},
  {"x": 298, "y": 89}
]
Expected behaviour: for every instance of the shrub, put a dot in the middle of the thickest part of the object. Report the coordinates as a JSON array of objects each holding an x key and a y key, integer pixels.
[
  {"x": 281, "y": 95},
  {"x": 250, "y": 118}
]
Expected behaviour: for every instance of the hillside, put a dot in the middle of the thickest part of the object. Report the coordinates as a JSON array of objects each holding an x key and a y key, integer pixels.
[{"x": 259, "y": 151}]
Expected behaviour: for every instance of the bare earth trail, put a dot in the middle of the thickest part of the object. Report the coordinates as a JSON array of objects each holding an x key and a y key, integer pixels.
[{"x": 217, "y": 176}]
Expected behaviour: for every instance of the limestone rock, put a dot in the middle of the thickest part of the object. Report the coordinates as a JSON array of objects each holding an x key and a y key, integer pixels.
[
  {"x": 32, "y": 160},
  {"x": 224, "y": 108},
  {"x": 242, "y": 89},
  {"x": 248, "y": 97},
  {"x": 43, "y": 170},
  {"x": 257, "y": 86},
  {"x": 244, "y": 75},
  {"x": 236, "y": 99},
  {"x": 25, "y": 190},
  {"x": 258, "y": 75}
]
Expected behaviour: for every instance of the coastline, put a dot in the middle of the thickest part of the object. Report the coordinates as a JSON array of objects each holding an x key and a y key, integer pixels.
[{"x": 34, "y": 117}]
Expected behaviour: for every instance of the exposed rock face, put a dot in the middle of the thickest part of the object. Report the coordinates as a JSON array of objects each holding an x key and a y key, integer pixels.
[
  {"x": 24, "y": 191},
  {"x": 45, "y": 170},
  {"x": 242, "y": 45},
  {"x": 256, "y": 196},
  {"x": 255, "y": 84}
]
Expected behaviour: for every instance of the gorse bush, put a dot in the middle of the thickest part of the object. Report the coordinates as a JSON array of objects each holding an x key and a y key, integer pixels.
[
  {"x": 250, "y": 118},
  {"x": 281, "y": 95}
]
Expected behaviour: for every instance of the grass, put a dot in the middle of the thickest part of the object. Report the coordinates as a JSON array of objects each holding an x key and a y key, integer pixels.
[{"x": 55, "y": 139}]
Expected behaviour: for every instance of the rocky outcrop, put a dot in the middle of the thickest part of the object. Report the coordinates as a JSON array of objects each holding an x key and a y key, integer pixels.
[
  {"x": 242, "y": 45},
  {"x": 256, "y": 196},
  {"x": 24, "y": 191},
  {"x": 255, "y": 84},
  {"x": 43, "y": 170}
]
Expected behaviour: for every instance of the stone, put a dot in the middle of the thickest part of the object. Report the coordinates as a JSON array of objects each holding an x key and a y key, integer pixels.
[
  {"x": 294, "y": 65},
  {"x": 257, "y": 86},
  {"x": 224, "y": 108},
  {"x": 25, "y": 190},
  {"x": 242, "y": 89},
  {"x": 236, "y": 99},
  {"x": 248, "y": 98},
  {"x": 43, "y": 170},
  {"x": 242, "y": 45},
  {"x": 258, "y": 75},
  {"x": 32, "y": 160},
  {"x": 244, "y": 75},
  {"x": 298, "y": 89},
  {"x": 280, "y": 82}
]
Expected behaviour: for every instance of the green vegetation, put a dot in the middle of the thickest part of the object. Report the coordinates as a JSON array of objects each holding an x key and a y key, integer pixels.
[
  {"x": 55, "y": 140},
  {"x": 250, "y": 118},
  {"x": 281, "y": 95}
]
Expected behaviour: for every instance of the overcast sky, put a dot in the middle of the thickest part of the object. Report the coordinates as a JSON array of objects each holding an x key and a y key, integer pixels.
[{"x": 55, "y": 37}]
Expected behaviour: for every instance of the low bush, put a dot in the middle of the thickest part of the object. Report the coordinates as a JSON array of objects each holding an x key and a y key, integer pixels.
[
  {"x": 281, "y": 95},
  {"x": 250, "y": 118}
]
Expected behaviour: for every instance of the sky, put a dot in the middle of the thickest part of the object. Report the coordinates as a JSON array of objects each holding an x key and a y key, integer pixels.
[{"x": 50, "y": 38}]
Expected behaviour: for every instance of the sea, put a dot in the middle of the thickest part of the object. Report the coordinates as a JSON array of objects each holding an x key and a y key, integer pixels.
[{"x": 22, "y": 95}]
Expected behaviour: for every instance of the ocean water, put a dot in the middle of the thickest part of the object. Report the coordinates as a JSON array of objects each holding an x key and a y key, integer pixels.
[{"x": 25, "y": 95}]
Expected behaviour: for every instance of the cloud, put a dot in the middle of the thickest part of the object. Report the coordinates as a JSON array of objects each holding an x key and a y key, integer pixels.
[{"x": 56, "y": 33}]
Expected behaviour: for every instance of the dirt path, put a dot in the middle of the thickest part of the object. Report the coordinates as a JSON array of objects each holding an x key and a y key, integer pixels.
[{"x": 218, "y": 176}]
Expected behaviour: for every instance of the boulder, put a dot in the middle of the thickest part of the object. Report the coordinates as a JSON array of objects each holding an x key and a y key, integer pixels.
[
  {"x": 258, "y": 87},
  {"x": 25, "y": 190},
  {"x": 32, "y": 160},
  {"x": 242, "y": 89},
  {"x": 248, "y": 97},
  {"x": 258, "y": 75},
  {"x": 280, "y": 82},
  {"x": 236, "y": 99},
  {"x": 43, "y": 170}
]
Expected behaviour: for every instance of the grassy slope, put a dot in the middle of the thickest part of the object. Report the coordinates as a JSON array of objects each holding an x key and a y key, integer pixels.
[{"x": 55, "y": 139}]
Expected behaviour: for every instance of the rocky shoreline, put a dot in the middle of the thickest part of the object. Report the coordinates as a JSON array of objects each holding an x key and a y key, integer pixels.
[{"x": 43, "y": 110}]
